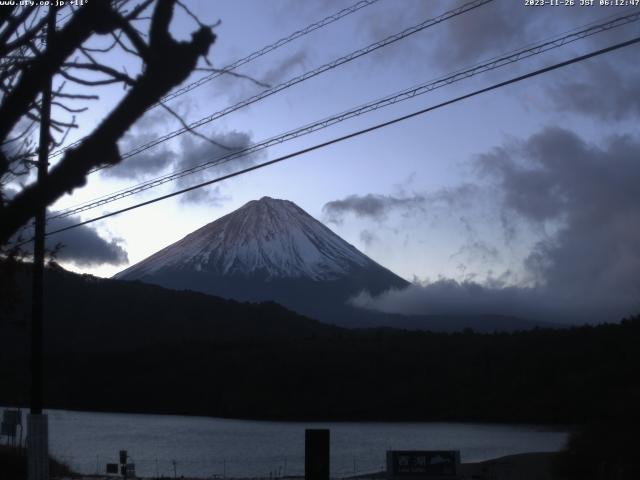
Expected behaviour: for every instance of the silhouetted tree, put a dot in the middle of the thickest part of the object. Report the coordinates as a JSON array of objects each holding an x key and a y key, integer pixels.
[{"x": 75, "y": 63}]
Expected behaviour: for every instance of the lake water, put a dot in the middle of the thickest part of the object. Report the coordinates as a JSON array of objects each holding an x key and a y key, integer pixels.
[{"x": 204, "y": 446}]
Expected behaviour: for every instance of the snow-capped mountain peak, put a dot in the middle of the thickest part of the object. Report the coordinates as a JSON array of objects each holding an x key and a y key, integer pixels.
[{"x": 269, "y": 237}]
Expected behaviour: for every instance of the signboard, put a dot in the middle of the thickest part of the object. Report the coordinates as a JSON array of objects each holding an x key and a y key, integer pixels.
[
  {"x": 128, "y": 470},
  {"x": 407, "y": 464}
]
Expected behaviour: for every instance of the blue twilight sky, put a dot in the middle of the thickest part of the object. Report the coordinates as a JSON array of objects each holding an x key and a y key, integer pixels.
[{"x": 519, "y": 201}]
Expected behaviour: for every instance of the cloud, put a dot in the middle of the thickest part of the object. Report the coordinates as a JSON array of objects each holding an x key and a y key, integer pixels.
[
  {"x": 450, "y": 297},
  {"x": 608, "y": 89},
  {"x": 466, "y": 37},
  {"x": 195, "y": 152},
  {"x": 151, "y": 161},
  {"x": 377, "y": 207},
  {"x": 371, "y": 206},
  {"x": 592, "y": 193},
  {"x": 285, "y": 68},
  {"x": 190, "y": 152},
  {"x": 83, "y": 246},
  {"x": 604, "y": 90},
  {"x": 477, "y": 249},
  {"x": 459, "y": 41},
  {"x": 282, "y": 69},
  {"x": 211, "y": 195},
  {"x": 583, "y": 200},
  {"x": 368, "y": 237}
]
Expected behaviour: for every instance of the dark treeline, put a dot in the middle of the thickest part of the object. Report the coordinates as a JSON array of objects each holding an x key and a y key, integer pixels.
[
  {"x": 138, "y": 348},
  {"x": 541, "y": 376}
]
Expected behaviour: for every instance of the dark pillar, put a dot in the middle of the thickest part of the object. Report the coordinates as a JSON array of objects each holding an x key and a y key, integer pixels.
[{"x": 316, "y": 454}]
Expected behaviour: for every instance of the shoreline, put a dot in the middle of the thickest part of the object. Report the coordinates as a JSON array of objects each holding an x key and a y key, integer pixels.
[
  {"x": 521, "y": 466},
  {"x": 546, "y": 426}
]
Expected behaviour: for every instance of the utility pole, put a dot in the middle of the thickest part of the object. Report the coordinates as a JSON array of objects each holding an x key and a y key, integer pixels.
[{"x": 38, "y": 431}]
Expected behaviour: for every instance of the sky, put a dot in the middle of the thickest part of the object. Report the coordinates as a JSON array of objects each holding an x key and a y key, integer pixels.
[{"x": 521, "y": 201}]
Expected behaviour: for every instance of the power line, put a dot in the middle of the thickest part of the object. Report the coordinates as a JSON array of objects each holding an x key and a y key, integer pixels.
[
  {"x": 386, "y": 101},
  {"x": 249, "y": 58},
  {"x": 305, "y": 76},
  {"x": 406, "y": 94},
  {"x": 269, "y": 48},
  {"x": 359, "y": 132}
]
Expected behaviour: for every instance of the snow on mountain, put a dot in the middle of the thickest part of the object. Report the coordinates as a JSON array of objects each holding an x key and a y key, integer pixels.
[
  {"x": 268, "y": 237},
  {"x": 272, "y": 250}
]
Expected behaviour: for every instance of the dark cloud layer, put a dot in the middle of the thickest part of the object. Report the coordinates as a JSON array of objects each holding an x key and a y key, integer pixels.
[
  {"x": 466, "y": 38},
  {"x": 286, "y": 68},
  {"x": 502, "y": 26},
  {"x": 369, "y": 206},
  {"x": 149, "y": 162},
  {"x": 592, "y": 192},
  {"x": 190, "y": 152},
  {"x": 195, "y": 152},
  {"x": 602, "y": 90},
  {"x": 449, "y": 297},
  {"x": 82, "y": 246},
  {"x": 585, "y": 267},
  {"x": 280, "y": 69},
  {"x": 378, "y": 207}
]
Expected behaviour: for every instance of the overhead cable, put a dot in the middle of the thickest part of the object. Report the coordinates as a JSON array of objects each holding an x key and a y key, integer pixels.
[
  {"x": 305, "y": 76},
  {"x": 357, "y": 133},
  {"x": 360, "y": 110},
  {"x": 252, "y": 56}
]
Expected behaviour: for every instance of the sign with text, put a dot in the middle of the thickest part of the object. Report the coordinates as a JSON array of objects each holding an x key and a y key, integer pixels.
[
  {"x": 130, "y": 470},
  {"x": 407, "y": 464}
]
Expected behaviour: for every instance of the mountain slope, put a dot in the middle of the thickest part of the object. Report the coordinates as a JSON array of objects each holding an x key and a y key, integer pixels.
[
  {"x": 90, "y": 314},
  {"x": 272, "y": 250},
  {"x": 269, "y": 249},
  {"x": 267, "y": 237}
]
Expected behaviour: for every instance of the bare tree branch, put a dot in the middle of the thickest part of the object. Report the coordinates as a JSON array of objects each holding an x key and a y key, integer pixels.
[
  {"x": 117, "y": 77},
  {"x": 69, "y": 109},
  {"x": 76, "y": 96},
  {"x": 100, "y": 147},
  {"x": 96, "y": 16},
  {"x": 191, "y": 130},
  {"x": 234, "y": 74}
]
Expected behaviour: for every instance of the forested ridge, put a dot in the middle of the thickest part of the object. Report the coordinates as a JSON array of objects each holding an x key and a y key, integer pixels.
[{"x": 164, "y": 351}]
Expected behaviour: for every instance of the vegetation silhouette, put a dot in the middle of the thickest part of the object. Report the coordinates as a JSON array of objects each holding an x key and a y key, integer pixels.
[
  {"x": 79, "y": 68},
  {"x": 132, "y": 347}
]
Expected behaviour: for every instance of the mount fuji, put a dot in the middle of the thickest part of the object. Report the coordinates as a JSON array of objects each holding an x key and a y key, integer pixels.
[{"x": 271, "y": 250}]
